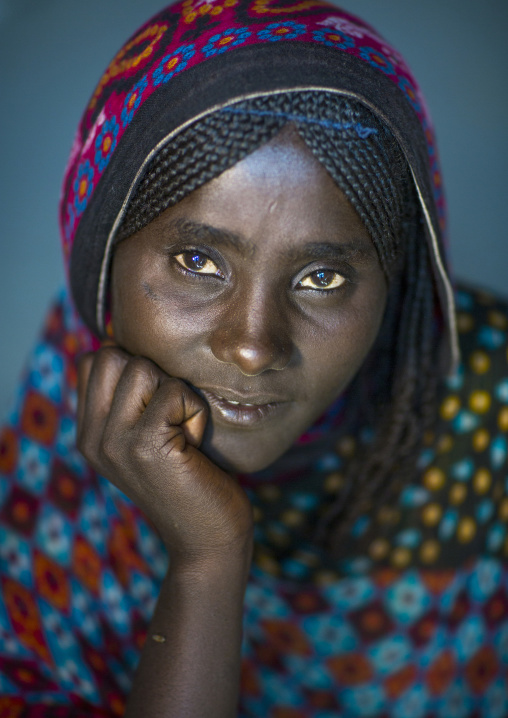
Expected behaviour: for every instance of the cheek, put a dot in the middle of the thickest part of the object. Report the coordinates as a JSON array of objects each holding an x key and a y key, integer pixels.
[
  {"x": 337, "y": 352},
  {"x": 135, "y": 317},
  {"x": 128, "y": 313},
  {"x": 147, "y": 325}
]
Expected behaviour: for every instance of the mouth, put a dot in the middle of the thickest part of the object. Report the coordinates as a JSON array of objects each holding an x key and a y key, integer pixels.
[{"x": 243, "y": 411}]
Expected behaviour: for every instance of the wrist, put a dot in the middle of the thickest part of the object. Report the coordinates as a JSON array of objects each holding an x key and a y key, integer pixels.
[{"x": 213, "y": 568}]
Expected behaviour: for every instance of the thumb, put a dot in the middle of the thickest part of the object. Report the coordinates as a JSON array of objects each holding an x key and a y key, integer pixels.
[{"x": 195, "y": 417}]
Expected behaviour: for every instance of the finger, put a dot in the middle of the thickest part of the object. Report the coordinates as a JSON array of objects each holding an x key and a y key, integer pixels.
[
  {"x": 134, "y": 390},
  {"x": 196, "y": 414},
  {"x": 147, "y": 400},
  {"x": 84, "y": 368},
  {"x": 105, "y": 370},
  {"x": 176, "y": 404}
]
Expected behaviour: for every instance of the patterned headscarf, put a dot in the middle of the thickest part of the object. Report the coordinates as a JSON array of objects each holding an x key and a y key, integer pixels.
[{"x": 197, "y": 56}]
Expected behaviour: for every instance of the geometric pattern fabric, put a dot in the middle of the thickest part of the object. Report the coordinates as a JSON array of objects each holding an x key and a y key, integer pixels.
[{"x": 412, "y": 622}]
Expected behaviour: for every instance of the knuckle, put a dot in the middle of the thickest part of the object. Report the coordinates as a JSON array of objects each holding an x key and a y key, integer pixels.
[
  {"x": 174, "y": 392},
  {"x": 173, "y": 446},
  {"x": 140, "y": 368},
  {"x": 140, "y": 446},
  {"x": 110, "y": 352},
  {"x": 181, "y": 391},
  {"x": 174, "y": 385},
  {"x": 110, "y": 448},
  {"x": 140, "y": 363},
  {"x": 105, "y": 355},
  {"x": 108, "y": 357},
  {"x": 140, "y": 453},
  {"x": 158, "y": 446}
]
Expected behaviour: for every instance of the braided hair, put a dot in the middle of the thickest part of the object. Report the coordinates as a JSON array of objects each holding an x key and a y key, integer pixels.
[{"x": 365, "y": 161}]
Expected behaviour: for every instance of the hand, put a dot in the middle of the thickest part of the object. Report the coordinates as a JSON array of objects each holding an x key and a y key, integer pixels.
[{"x": 141, "y": 429}]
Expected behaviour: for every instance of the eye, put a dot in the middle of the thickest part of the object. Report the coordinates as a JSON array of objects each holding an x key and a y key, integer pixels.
[
  {"x": 323, "y": 279},
  {"x": 198, "y": 263}
]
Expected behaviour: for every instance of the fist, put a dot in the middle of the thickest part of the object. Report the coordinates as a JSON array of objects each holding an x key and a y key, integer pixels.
[{"x": 141, "y": 429}]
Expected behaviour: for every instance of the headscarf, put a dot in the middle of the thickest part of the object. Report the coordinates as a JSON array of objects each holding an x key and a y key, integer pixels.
[{"x": 194, "y": 58}]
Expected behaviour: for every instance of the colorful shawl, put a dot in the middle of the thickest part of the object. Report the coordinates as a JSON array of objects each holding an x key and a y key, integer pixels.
[{"x": 414, "y": 621}]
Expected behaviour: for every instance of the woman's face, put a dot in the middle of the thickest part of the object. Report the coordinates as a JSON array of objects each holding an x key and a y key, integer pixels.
[{"x": 262, "y": 290}]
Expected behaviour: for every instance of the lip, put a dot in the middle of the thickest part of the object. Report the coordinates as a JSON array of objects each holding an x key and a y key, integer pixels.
[{"x": 244, "y": 411}]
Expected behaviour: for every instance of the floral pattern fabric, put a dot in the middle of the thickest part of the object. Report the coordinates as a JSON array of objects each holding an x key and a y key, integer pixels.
[{"x": 187, "y": 33}]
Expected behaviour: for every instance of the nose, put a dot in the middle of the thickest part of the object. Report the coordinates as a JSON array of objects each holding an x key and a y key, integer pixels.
[{"x": 254, "y": 336}]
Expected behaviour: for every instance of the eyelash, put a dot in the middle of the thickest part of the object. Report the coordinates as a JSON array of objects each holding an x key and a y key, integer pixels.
[
  {"x": 188, "y": 271},
  {"x": 219, "y": 274},
  {"x": 324, "y": 290}
]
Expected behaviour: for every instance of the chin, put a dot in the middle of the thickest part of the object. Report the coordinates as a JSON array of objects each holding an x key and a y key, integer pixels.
[
  {"x": 237, "y": 464},
  {"x": 240, "y": 460}
]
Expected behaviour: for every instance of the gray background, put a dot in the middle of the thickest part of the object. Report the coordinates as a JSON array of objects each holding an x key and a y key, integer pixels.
[{"x": 53, "y": 52}]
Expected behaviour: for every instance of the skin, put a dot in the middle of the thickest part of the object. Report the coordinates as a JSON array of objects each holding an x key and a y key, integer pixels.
[{"x": 262, "y": 287}]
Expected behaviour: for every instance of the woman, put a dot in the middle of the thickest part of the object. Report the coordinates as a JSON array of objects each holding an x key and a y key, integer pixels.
[{"x": 253, "y": 222}]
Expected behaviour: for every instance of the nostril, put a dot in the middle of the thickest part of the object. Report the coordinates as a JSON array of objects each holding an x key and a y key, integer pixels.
[{"x": 252, "y": 355}]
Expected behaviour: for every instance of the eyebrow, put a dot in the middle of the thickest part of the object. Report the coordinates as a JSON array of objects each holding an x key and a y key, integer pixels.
[
  {"x": 355, "y": 251},
  {"x": 190, "y": 230}
]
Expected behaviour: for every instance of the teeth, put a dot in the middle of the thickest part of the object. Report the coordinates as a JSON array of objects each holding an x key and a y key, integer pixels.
[{"x": 237, "y": 403}]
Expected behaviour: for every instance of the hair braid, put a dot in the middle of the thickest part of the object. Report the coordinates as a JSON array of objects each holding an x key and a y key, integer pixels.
[
  {"x": 379, "y": 469},
  {"x": 193, "y": 157}
]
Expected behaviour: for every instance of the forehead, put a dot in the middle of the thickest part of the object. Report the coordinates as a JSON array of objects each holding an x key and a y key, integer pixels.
[{"x": 278, "y": 193}]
